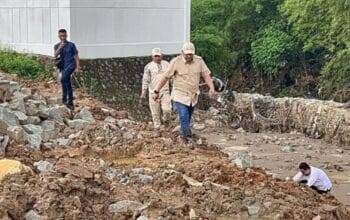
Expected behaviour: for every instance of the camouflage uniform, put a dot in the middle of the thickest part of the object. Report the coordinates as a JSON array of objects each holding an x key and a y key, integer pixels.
[{"x": 152, "y": 75}]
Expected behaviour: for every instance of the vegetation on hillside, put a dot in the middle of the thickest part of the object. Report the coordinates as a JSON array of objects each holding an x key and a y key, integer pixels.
[
  {"x": 278, "y": 41},
  {"x": 23, "y": 65}
]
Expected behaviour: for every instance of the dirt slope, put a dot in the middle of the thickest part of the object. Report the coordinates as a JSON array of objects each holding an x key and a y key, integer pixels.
[{"x": 117, "y": 168}]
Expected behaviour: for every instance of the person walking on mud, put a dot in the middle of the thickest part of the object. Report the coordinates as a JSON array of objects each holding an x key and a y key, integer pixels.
[
  {"x": 151, "y": 77},
  {"x": 67, "y": 62},
  {"x": 186, "y": 70}
]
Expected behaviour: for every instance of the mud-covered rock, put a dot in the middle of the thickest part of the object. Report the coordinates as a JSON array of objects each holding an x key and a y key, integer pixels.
[
  {"x": 86, "y": 115},
  {"x": 7, "y": 118},
  {"x": 124, "y": 206},
  {"x": 43, "y": 166},
  {"x": 17, "y": 134},
  {"x": 34, "y": 141}
]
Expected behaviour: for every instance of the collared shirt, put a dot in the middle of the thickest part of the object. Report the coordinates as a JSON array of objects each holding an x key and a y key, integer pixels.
[
  {"x": 67, "y": 55},
  {"x": 317, "y": 178},
  {"x": 186, "y": 79},
  {"x": 153, "y": 74}
]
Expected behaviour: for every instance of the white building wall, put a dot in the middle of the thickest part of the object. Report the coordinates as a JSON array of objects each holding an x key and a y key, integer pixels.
[
  {"x": 31, "y": 25},
  {"x": 100, "y": 28}
]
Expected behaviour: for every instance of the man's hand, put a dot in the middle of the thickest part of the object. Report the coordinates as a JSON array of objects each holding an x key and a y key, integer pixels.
[
  {"x": 212, "y": 93},
  {"x": 77, "y": 70},
  {"x": 143, "y": 95},
  {"x": 61, "y": 46},
  {"x": 155, "y": 97}
]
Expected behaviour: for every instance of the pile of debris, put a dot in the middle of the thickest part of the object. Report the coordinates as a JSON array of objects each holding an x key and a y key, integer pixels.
[
  {"x": 34, "y": 121},
  {"x": 315, "y": 118},
  {"x": 101, "y": 164}
]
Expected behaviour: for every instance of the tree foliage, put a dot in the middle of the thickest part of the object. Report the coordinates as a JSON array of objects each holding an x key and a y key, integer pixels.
[
  {"x": 275, "y": 37},
  {"x": 273, "y": 49}
]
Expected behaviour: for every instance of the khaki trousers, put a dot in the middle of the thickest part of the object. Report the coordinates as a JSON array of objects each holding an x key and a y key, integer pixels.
[{"x": 157, "y": 107}]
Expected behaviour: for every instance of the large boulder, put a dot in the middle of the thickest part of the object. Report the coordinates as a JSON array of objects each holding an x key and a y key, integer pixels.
[
  {"x": 4, "y": 140},
  {"x": 32, "y": 107},
  {"x": 17, "y": 134},
  {"x": 5, "y": 93},
  {"x": 14, "y": 86},
  {"x": 86, "y": 115},
  {"x": 33, "y": 129},
  {"x": 49, "y": 130},
  {"x": 17, "y": 104},
  {"x": 35, "y": 120},
  {"x": 7, "y": 119},
  {"x": 77, "y": 123},
  {"x": 43, "y": 112},
  {"x": 58, "y": 113},
  {"x": 34, "y": 141},
  {"x": 43, "y": 166},
  {"x": 22, "y": 118},
  {"x": 125, "y": 206},
  {"x": 10, "y": 167}
]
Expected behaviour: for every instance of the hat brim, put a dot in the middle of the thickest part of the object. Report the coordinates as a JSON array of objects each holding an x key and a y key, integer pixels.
[
  {"x": 156, "y": 54},
  {"x": 188, "y": 52}
]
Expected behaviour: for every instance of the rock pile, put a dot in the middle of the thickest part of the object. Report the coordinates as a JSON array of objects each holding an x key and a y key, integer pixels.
[
  {"x": 27, "y": 118},
  {"x": 315, "y": 118}
]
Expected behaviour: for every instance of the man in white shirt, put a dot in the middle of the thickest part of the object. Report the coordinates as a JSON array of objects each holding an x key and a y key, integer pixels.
[{"x": 314, "y": 178}]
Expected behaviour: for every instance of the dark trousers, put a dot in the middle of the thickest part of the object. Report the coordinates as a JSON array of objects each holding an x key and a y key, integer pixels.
[
  {"x": 319, "y": 191},
  {"x": 304, "y": 182},
  {"x": 185, "y": 114},
  {"x": 67, "y": 89}
]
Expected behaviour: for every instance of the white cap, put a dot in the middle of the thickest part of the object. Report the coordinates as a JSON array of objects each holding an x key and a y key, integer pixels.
[
  {"x": 188, "y": 48},
  {"x": 157, "y": 52}
]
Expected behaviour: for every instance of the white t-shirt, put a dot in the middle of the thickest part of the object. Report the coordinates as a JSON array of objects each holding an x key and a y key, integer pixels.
[{"x": 317, "y": 178}]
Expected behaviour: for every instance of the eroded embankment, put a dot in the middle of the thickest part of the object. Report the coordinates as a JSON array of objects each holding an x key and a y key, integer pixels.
[{"x": 315, "y": 118}]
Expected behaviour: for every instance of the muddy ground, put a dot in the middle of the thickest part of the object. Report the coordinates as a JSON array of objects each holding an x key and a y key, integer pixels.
[
  {"x": 157, "y": 176},
  {"x": 270, "y": 152}
]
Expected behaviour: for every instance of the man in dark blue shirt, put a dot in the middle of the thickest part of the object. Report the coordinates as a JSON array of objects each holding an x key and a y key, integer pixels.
[{"x": 67, "y": 58}]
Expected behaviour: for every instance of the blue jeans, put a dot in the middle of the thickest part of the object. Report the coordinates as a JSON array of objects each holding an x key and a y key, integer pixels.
[
  {"x": 185, "y": 114},
  {"x": 67, "y": 89}
]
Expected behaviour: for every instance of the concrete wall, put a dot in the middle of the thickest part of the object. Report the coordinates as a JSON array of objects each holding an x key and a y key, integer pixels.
[
  {"x": 101, "y": 29},
  {"x": 31, "y": 25}
]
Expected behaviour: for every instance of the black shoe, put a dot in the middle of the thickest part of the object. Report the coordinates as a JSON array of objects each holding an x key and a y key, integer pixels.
[
  {"x": 189, "y": 140},
  {"x": 70, "y": 106}
]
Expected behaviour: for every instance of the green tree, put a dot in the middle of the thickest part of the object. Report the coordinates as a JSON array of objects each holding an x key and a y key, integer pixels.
[
  {"x": 273, "y": 49},
  {"x": 211, "y": 44},
  {"x": 324, "y": 24}
]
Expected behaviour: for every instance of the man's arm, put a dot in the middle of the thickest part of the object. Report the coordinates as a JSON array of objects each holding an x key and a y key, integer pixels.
[
  {"x": 170, "y": 72},
  {"x": 146, "y": 79},
  {"x": 77, "y": 63},
  {"x": 77, "y": 59},
  {"x": 161, "y": 83},
  {"x": 298, "y": 177},
  {"x": 58, "y": 48},
  {"x": 210, "y": 84},
  {"x": 207, "y": 79}
]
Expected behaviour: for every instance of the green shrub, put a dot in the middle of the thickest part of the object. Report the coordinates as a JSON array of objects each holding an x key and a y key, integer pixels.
[
  {"x": 335, "y": 77},
  {"x": 23, "y": 65},
  {"x": 273, "y": 49}
]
